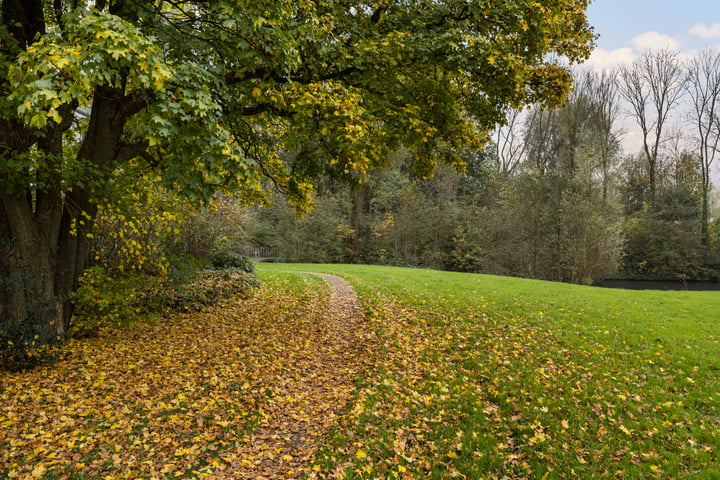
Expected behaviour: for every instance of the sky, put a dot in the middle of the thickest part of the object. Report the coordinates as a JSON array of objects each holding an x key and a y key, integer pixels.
[{"x": 629, "y": 27}]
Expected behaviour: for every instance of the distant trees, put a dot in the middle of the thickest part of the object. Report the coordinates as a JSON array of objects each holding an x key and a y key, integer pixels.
[
  {"x": 553, "y": 196},
  {"x": 662, "y": 238},
  {"x": 703, "y": 88},
  {"x": 570, "y": 155},
  {"x": 531, "y": 206},
  {"x": 668, "y": 232}
]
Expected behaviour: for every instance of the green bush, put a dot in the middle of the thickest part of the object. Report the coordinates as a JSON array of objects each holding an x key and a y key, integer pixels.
[
  {"x": 207, "y": 288},
  {"x": 227, "y": 259},
  {"x": 103, "y": 301}
]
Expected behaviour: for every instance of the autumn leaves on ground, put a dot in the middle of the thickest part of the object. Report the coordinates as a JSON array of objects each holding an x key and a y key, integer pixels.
[{"x": 436, "y": 375}]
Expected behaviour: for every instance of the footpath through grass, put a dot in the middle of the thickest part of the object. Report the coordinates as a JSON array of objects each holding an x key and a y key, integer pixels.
[
  {"x": 490, "y": 377},
  {"x": 242, "y": 390}
]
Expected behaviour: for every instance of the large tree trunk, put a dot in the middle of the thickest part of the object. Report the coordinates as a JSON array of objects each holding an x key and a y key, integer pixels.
[
  {"x": 73, "y": 251},
  {"x": 43, "y": 247},
  {"x": 43, "y": 252},
  {"x": 30, "y": 311},
  {"x": 42, "y": 255}
]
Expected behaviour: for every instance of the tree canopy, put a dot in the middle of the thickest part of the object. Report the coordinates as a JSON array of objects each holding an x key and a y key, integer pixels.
[{"x": 217, "y": 95}]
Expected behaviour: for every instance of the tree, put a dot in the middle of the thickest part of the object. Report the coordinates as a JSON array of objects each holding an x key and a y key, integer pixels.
[
  {"x": 570, "y": 152},
  {"x": 652, "y": 86},
  {"x": 209, "y": 94},
  {"x": 661, "y": 240},
  {"x": 510, "y": 149},
  {"x": 601, "y": 91},
  {"x": 703, "y": 88}
]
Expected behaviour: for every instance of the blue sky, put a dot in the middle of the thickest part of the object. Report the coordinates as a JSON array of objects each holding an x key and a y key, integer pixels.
[{"x": 626, "y": 27}]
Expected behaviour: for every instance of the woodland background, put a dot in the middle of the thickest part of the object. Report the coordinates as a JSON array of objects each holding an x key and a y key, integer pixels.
[{"x": 554, "y": 196}]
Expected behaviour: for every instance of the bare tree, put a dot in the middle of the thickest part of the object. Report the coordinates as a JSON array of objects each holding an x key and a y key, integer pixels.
[
  {"x": 510, "y": 142},
  {"x": 601, "y": 90},
  {"x": 542, "y": 139},
  {"x": 703, "y": 88},
  {"x": 652, "y": 86},
  {"x": 677, "y": 150}
]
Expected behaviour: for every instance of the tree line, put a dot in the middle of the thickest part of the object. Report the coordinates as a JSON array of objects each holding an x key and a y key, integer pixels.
[{"x": 552, "y": 197}]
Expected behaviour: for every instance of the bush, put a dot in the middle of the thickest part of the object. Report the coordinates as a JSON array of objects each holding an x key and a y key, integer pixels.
[
  {"x": 103, "y": 301},
  {"x": 207, "y": 288},
  {"x": 106, "y": 302},
  {"x": 232, "y": 260}
]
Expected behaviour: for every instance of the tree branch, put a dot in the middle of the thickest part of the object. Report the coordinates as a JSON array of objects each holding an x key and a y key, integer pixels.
[
  {"x": 152, "y": 161},
  {"x": 24, "y": 19},
  {"x": 233, "y": 78},
  {"x": 126, "y": 152},
  {"x": 375, "y": 18},
  {"x": 135, "y": 103}
]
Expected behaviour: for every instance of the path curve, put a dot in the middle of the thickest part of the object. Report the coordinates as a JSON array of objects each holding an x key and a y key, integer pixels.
[{"x": 284, "y": 445}]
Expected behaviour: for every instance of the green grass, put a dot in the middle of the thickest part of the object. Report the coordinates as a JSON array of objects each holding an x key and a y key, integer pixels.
[{"x": 489, "y": 377}]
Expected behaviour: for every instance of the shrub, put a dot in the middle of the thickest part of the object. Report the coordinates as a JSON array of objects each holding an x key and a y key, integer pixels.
[
  {"x": 232, "y": 260},
  {"x": 106, "y": 302},
  {"x": 132, "y": 232},
  {"x": 103, "y": 301},
  {"x": 207, "y": 288}
]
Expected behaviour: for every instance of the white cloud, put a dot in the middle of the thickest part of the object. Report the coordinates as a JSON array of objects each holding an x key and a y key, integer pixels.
[
  {"x": 603, "y": 59},
  {"x": 708, "y": 33},
  {"x": 654, "y": 41}
]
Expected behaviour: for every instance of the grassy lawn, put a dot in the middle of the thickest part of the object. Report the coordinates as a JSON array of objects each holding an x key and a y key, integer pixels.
[
  {"x": 491, "y": 377},
  {"x": 458, "y": 376}
]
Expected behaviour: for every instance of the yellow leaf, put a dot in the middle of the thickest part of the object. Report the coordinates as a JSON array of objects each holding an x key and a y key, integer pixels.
[
  {"x": 55, "y": 116},
  {"x": 38, "y": 471},
  {"x": 360, "y": 454}
]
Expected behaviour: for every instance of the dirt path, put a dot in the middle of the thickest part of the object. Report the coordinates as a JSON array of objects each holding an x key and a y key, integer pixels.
[
  {"x": 314, "y": 392},
  {"x": 344, "y": 312}
]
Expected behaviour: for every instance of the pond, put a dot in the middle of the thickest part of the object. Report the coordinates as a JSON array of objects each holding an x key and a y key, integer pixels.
[{"x": 659, "y": 285}]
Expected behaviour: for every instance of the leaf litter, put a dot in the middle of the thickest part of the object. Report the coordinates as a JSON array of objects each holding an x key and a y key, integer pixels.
[{"x": 246, "y": 390}]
